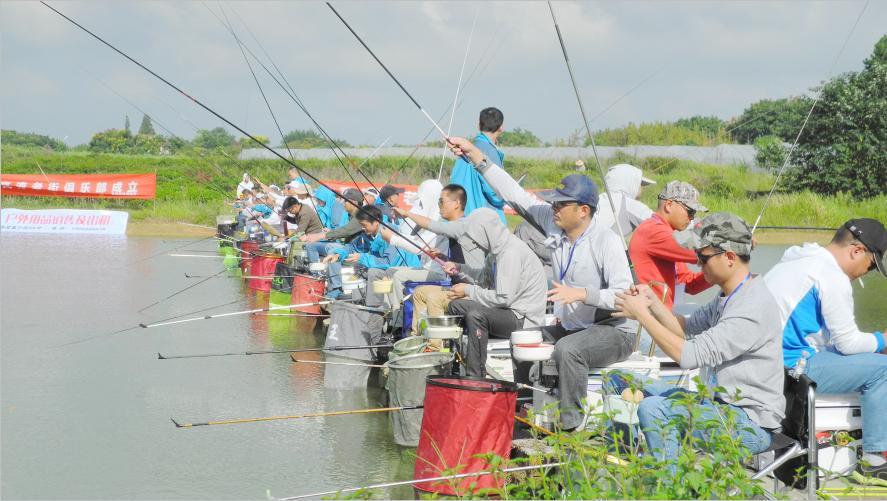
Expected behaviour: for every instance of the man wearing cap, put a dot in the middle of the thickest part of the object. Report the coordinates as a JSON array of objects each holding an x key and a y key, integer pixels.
[
  {"x": 733, "y": 339},
  {"x": 389, "y": 198},
  {"x": 480, "y": 194},
  {"x": 812, "y": 286},
  {"x": 657, "y": 257},
  {"x": 625, "y": 183},
  {"x": 589, "y": 267}
]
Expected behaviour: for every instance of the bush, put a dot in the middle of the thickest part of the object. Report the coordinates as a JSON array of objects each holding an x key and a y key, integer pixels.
[
  {"x": 843, "y": 147},
  {"x": 519, "y": 137},
  {"x": 213, "y": 139},
  {"x": 11, "y": 137},
  {"x": 303, "y": 139},
  {"x": 770, "y": 117},
  {"x": 660, "y": 133},
  {"x": 771, "y": 151}
]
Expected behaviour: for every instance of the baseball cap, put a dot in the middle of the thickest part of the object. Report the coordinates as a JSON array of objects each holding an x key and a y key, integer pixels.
[
  {"x": 353, "y": 195},
  {"x": 389, "y": 190},
  {"x": 871, "y": 234},
  {"x": 574, "y": 188},
  {"x": 722, "y": 230},
  {"x": 299, "y": 189},
  {"x": 685, "y": 193}
]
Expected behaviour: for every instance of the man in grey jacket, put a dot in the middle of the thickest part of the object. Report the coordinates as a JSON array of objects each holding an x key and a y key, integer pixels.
[
  {"x": 589, "y": 268},
  {"x": 516, "y": 297},
  {"x": 733, "y": 339}
]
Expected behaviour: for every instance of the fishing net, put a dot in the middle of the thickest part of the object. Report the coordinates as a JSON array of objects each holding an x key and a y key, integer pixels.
[{"x": 406, "y": 387}]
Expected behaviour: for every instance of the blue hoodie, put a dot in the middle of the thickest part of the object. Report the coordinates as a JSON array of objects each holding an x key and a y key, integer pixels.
[
  {"x": 332, "y": 214},
  {"x": 480, "y": 194}
]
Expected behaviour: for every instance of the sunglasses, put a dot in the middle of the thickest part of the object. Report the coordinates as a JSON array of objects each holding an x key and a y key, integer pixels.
[
  {"x": 690, "y": 212},
  {"x": 705, "y": 258},
  {"x": 557, "y": 206}
]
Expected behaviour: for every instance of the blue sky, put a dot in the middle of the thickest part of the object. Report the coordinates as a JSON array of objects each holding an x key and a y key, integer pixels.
[{"x": 712, "y": 58}]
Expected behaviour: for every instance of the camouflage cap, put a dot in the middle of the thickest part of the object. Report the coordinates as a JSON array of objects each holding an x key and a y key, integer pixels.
[
  {"x": 722, "y": 230},
  {"x": 685, "y": 193}
]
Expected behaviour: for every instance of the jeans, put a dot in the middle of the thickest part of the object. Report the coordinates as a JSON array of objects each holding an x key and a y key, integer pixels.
[
  {"x": 316, "y": 251},
  {"x": 481, "y": 322},
  {"x": 575, "y": 353},
  {"x": 659, "y": 406},
  {"x": 865, "y": 373}
]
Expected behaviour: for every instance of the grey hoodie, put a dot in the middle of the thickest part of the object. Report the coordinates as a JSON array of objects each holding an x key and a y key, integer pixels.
[
  {"x": 520, "y": 282},
  {"x": 476, "y": 263}
]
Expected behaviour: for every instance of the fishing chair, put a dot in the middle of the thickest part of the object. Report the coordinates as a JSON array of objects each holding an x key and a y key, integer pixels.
[{"x": 795, "y": 447}]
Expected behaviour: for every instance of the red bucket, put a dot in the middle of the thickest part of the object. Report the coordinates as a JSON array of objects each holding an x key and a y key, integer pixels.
[
  {"x": 463, "y": 417},
  {"x": 261, "y": 270},
  {"x": 308, "y": 289},
  {"x": 248, "y": 250}
]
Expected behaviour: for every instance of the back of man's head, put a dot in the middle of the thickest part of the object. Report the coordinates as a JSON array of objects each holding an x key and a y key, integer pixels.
[{"x": 490, "y": 120}]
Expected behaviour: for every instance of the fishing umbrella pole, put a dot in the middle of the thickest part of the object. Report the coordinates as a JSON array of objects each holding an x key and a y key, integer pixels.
[{"x": 232, "y": 124}]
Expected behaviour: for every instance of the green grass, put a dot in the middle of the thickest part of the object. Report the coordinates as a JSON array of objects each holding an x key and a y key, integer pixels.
[{"x": 192, "y": 188}]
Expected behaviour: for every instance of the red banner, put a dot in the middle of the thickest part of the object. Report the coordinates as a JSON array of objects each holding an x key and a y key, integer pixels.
[{"x": 142, "y": 186}]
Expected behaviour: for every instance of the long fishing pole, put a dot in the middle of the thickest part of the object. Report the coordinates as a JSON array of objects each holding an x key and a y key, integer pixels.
[
  {"x": 788, "y": 154},
  {"x": 155, "y": 303},
  {"x": 272, "y": 352},
  {"x": 421, "y": 480},
  {"x": 300, "y": 361},
  {"x": 297, "y": 416},
  {"x": 235, "y": 126},
  {"x": 443, "y": 155},
  {"x": 597, "y": 159},
  {"x": 233, "y": 313}
]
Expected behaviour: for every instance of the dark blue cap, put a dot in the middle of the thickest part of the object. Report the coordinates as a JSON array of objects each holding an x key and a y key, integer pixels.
[{"x": 574, "y": 188}]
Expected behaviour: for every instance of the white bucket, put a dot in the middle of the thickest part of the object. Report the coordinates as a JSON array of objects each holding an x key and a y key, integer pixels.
[
  {"x": 454, "y": 332},
  {"x": 317, "y": 267},
  {"x": 532, "y": 352},
  {"x": 526, "y": 337}
]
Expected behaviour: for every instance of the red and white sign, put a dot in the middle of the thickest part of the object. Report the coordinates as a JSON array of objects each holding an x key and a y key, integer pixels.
[
  {"x": 100, "y": 222},
  {"x": 137, "y": 186}
]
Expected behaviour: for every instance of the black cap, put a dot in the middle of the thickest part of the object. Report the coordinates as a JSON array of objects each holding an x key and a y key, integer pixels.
[
  {"x": 389, "y": 190},
  {"x": 353, "y": 195},
  {"x": 871, "y": 233}
]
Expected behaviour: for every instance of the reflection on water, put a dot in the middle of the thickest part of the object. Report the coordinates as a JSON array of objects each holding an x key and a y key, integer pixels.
[{"x": 91, "y": 420}]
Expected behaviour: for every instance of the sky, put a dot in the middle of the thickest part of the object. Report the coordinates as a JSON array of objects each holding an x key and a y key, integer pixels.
[{"x": 694, "y": 58}]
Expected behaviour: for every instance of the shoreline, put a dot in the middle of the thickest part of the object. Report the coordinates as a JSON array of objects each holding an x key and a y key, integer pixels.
[{"x": 186, "y": 230}]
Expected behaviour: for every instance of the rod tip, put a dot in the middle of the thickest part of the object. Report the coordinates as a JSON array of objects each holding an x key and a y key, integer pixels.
[
  {"x": 160, "y": 357},
  {"x": 143, "y": 326},
  {"x": 175, "y": 423}
]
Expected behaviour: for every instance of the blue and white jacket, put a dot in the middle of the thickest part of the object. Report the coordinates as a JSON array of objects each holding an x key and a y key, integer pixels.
[
  {"x": 815, "y": 300},
  {"x": 479, "y": 192}
]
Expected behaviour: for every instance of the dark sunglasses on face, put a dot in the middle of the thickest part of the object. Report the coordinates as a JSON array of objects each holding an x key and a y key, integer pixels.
[
  {"x": 704, "y": 258},
  {"x": 690, "y": 212},
  {"x": 557, "y": 206}
]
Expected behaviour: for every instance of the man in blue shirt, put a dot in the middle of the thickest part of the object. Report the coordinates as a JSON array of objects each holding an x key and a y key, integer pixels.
[{"x": 479, "y": 192}]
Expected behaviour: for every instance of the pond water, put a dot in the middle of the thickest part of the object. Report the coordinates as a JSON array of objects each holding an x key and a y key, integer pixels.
[{"x": 86, "y": 414}]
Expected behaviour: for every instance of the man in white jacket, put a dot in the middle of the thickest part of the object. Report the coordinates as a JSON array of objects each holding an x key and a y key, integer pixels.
[{"x": 812, "y": 287}]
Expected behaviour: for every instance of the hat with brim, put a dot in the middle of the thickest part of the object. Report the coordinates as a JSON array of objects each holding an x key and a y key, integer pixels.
[
  {"x": 872, "y": 234},
  {"x": 723, "y": 230},
  {"x": 574, "y": 188},
  {"x": 646, "y": 181},
  {"x": 299, "y": 189}
]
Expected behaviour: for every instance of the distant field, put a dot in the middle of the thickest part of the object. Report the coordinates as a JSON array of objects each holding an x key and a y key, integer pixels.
[{"x": 193, "y": 188}]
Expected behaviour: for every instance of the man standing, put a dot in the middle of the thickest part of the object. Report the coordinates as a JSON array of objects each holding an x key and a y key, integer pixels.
[
  {"x": 480, "y": 194},
  {"x": 589, "y": 268},
  {"x": 656, "y": 255},
  {"x": 812, "y": 286},
  {"x": 733, "y": 338}
]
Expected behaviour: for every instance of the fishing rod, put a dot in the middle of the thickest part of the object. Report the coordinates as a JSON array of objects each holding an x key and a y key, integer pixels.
[
  {"x": 298, "y": 416},
  {"x": 421, "y": 480},
  {"x": 272, "y": 352},
  {"x": 155, "y": 303},
  {"x": 233, "y": 313},
  {"x": 239, "y": 129},
  {"x": 138, "y": 326},
  {"x": 805, "y": 228},
  {"x": 296, "y": 360},
  {"x": 443, "y": 155},
  {"x": 597, "y": 159},
  {"x": 168, "y": 250},
  {"x": 788, "y": 154}
]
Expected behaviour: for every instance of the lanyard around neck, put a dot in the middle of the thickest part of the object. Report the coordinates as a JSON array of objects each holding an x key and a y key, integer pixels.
[{"x": 744, "y": 280}]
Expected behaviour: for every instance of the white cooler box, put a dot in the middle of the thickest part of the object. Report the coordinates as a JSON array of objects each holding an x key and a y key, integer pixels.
[{"x": 837, "y": 412}]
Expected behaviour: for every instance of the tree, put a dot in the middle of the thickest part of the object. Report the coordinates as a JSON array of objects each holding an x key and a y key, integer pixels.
[
  {"x": 770, "y": 152},
  {"x": 519, "y": 137},
  {"x": 711, "y": 126},
  {"x": 11, "y": 137},
  {"x": 111, "y": 141},
  {"x": 249, "y": 143},
  {"x": 770, "y": 117},
  {"x": 126, "y": 125},
  {"x": 842, "y": 148},
  {"x": 146, "y": 127},
  {"x": 212, "y": 139},
  {"x": 308, "y": 139}
]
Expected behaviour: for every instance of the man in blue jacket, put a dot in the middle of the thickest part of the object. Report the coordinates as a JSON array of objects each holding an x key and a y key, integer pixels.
[
  {"x": 381, "y": 255},
  {"x": 480, "y": 194}
]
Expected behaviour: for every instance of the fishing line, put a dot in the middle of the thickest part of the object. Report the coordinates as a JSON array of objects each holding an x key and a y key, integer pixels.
[
  {"x": 232, "y": 124},
  {"x": 458, "y": 88},
  {"x": 593, "y": 145},
  {"x": 791, "y": 150}
]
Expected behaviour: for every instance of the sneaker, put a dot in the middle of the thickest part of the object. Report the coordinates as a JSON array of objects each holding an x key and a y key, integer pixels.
[{"x": 875, "y": 472}]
